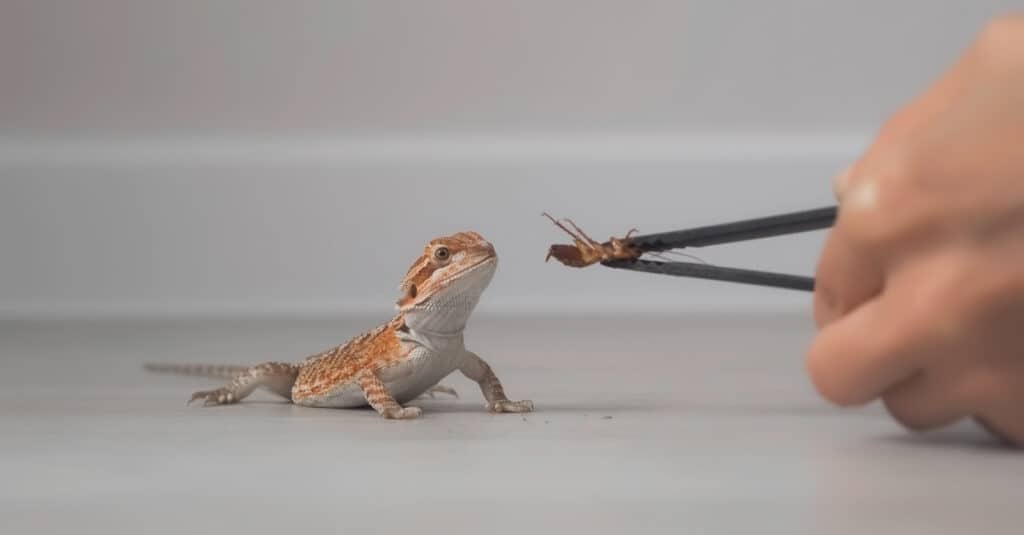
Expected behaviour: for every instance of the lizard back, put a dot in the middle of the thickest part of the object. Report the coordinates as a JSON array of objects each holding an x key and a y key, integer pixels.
[{"x": 325, "y": 372}]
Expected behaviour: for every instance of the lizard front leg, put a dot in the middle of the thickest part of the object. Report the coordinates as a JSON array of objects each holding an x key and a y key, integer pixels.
[
  {"x": 476, "y": 369},
  {"x": 379, "y": 398}
]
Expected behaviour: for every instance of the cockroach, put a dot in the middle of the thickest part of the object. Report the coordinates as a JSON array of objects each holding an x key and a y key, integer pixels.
[{"x": 586, "y": 251}]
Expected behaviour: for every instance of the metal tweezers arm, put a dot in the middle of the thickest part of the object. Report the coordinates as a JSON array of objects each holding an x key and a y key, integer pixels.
[
  {"x": 749, "y": 229},
  {"x": 745, "y": 230}
]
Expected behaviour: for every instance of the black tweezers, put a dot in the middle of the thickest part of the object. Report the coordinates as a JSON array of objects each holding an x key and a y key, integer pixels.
[{"x": 749, "y": 229}]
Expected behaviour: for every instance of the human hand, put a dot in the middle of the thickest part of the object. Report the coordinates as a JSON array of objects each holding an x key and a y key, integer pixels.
[{"x": 920, "y": 287}]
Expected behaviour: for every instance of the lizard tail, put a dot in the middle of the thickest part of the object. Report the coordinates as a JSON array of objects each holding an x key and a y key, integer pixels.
[{"x": 201, "y": 370}]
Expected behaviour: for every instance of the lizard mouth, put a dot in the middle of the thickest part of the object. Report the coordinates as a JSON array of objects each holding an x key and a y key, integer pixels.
[
  {"x": 448, "y": 283},
  {"x": 484, "y": 260},
  {"x": 488, "y": 260}
]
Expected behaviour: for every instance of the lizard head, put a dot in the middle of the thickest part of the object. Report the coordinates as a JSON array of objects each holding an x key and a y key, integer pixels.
[{"x": 449, "y": 276}]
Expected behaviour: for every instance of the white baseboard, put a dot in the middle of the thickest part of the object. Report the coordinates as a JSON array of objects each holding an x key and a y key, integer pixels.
[
  {"x": 584, "y": 148},
  {"x": 222, "y": 226}
]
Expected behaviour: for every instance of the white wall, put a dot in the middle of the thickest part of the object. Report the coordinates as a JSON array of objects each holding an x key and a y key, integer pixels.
[{"x": 267, "y": 157}]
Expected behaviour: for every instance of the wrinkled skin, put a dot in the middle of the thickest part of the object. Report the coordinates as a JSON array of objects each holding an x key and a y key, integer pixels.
[{"x": 920, "y": 292}]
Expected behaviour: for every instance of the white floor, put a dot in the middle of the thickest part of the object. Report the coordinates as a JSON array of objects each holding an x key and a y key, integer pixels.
[{"x": 645, "y": 425}]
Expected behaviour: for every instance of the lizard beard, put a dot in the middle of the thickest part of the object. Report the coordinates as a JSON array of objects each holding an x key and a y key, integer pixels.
[{"x": 447, "y": 311}]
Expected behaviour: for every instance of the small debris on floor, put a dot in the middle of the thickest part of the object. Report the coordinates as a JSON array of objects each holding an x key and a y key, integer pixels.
[{"x": 606, "y": 417}]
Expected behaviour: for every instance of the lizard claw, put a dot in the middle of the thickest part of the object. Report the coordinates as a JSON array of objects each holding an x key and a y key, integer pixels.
[
  {"x": 402, "y": 413},
  {"x": 439, "y": 389},
  {"x": 220, "y": 396},
  {"x": 507, "y": 405}
]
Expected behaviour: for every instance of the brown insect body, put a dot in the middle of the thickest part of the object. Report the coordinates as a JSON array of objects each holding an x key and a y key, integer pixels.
[{"x": 586, "y": 251}]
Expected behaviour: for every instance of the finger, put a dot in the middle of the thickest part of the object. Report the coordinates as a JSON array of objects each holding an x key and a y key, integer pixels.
[
  {"x": 934, "y": 397},
  {"x": 1000, "y": 411},
  {"x": 840, "y": 182},
  {"x": 866, "y": 352},
  {"x": 846, "y": 277},
  {"x": 1009, "y": 431}
]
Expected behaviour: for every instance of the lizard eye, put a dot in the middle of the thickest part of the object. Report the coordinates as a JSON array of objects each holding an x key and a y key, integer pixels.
[{"x": 442, "y": 254}]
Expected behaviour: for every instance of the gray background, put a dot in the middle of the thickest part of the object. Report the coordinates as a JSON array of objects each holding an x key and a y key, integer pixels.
[
  {"x": 200, "y": 181},
  {"x": 183, "y": 158}
]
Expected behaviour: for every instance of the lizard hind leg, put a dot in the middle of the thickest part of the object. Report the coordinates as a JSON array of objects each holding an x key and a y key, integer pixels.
[
  {"x": 277, "y": 377},
  {"x": 439, "y": 389}
]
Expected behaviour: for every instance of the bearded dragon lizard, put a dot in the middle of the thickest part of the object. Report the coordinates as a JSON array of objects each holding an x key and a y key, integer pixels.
[{"x": 399, "y": 360}]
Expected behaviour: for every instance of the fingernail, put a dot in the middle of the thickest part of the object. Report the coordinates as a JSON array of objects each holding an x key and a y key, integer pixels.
[
  {"x": 861, "y": 196},
  {"x": 841, "y": 182}
]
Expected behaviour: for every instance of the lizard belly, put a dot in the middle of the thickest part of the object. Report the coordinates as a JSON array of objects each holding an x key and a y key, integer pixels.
[
  {"x": 404, "y": 380},
  {"x": 423, "y": 369},
  {"x": 345, "y": 396}
]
